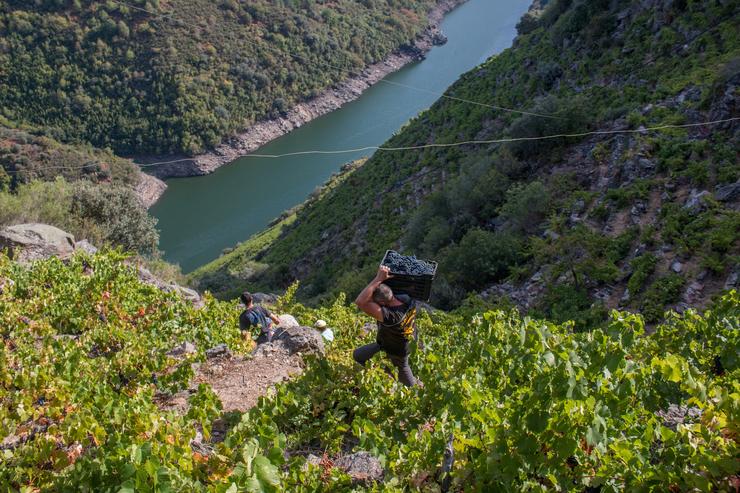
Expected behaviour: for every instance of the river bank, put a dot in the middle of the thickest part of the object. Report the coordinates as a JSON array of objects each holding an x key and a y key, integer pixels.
[{"x": 327, "y": 101}]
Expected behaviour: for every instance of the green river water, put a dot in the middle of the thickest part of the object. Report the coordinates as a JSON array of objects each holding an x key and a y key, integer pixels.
[{"x": 200, "y": 216}]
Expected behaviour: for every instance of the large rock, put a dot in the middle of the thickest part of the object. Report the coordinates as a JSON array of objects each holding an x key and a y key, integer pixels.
[
  {"x": 188, "y": 294},
  {"x": 362, "y": 467},
  {"x": 264, "y": 298},
  {"x": 34, "y": 241},
  {"x": 288, "y": 321},
  {"x": 728, "y": 193},
  {"x": 305, "y": 340},
  {"x": 696, "y": 202}
]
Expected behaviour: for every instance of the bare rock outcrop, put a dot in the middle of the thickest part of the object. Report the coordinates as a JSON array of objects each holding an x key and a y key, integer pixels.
[
  {"x": 35, "y": 241},
  {"x": 149, "y": 189}
]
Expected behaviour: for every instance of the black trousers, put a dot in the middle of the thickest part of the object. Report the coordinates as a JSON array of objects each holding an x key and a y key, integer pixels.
[{"x": 405, "y": 376}]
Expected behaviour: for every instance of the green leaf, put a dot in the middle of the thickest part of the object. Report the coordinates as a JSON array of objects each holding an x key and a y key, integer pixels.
[
  {"x": 266, "y": 472},
  {"x": 549, "y": 358}
]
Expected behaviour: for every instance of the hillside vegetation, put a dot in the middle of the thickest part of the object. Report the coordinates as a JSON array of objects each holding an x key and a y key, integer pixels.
[
  {"x": 148, "y": 76},
  {"x": 529, "y": 405},
  {"x": 566, "y": 228},
  {"x": 80, "y": 189}
]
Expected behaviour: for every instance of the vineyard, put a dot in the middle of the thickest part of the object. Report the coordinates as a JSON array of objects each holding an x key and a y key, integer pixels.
[{"x": 529, "y": 406}]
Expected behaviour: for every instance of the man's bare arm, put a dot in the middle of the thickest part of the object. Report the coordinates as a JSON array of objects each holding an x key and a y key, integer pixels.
[{"x": 365, "y": 301}]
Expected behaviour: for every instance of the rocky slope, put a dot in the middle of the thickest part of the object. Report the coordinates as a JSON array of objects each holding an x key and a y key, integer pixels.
[{"x": 566, "y": 227}]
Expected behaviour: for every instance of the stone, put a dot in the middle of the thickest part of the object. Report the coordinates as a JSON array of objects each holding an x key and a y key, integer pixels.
[
  {"x": 693, "y": 292},
  {"x": 264, "y": 298},
  {"x": 34, "y": 241},
  {"x": 578, "y": 206},
  {"x": 676, "y": 415},
  {"x": 696, "y": 202},
  {"x": 311, "y": 459},
  {"x": 288, "y": 321},
  {"x": 301, "y": 339},
  {"x": 676, "y": 266},
  {"x": 362, "y": 467},
  {"x": 728, "y": 193},
  {"x": 86, "y": 246},
  {"x": 732, "y": 279},
  {"x": 625, "y": 297},
  {"x": 183, "y": 349},
  {"x": 186, "y": 293},
  {"x": 219, "y": 351}
]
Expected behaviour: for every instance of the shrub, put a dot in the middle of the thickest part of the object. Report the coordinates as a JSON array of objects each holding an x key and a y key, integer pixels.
[
  {"x": 643, "y": 266},
  {"x": 662, "y": 292},
  {"x": 481, "y": 257},
  {"x": 526, "y": 206},
  {"x": 114, "y": 215}
]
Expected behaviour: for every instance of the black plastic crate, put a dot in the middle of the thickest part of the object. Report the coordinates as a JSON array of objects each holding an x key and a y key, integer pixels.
[{"x": 417, "y": 287}]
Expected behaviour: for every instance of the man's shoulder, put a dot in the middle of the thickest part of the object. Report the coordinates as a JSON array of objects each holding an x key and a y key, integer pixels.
[{"x": 405, "y": 299}]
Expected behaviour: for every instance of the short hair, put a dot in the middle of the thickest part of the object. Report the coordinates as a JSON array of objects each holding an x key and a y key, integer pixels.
[
  {"x": 246, "y": 298},
  {"x": 382, "y": 294}
]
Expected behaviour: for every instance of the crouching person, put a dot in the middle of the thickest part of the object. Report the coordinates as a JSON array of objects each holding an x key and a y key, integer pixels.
[
  {"x": 396, "y": 317},
  {"x": 257, "y": 316}
]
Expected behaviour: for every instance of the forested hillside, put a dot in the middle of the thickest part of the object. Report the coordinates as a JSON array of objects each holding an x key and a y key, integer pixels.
[
  {"x": 86, "y": 191},
  {"x": 148, "y": 76},
  {"x": 519, "y": 404},
  {"x": 563, "y": 227}
]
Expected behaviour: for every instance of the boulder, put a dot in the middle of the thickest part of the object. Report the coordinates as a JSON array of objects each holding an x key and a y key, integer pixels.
[
  {"x": 186, "y": 293},
  {"x": 288, "y": 321},
  {"x": 362, "y": 467},
  {"x": 219, "y": 351},
  {"x": 86, "y": 246},
  {"x": 728, "y": 193},
  {"x": 34, "y": 241},
  {"x": 266, "y": 298},
  {"x": 696, "y": 202},
  {"x": 304, "y": 340}
]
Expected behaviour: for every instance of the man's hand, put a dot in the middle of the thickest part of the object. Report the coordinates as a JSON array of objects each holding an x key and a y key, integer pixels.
[{"x": 384, "y": 273}]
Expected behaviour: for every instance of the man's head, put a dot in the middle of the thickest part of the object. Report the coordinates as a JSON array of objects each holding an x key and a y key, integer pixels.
[
  {"x": 246, "y": 298},
  {"x": 382, "y": 295}
]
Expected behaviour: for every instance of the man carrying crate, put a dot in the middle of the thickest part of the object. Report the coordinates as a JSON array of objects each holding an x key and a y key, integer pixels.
[{"x": 396, "y": 317}]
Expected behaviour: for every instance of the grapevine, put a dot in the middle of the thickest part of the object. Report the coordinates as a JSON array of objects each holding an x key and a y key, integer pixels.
[{"x": 529, "y": 405}]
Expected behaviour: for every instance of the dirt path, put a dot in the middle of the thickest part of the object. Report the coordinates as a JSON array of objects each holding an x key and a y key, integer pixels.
[{"x": 239, "y": 382}]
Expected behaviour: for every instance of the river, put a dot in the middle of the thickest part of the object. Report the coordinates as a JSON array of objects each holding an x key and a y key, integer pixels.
[{"x": 200, "y": 216}]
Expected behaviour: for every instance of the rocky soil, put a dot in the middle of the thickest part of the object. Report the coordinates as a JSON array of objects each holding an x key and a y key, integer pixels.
[{"x": 329, "y": 100}]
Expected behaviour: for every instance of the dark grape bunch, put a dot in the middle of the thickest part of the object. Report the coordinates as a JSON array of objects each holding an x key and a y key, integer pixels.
[{"x": 407, "y": 265}]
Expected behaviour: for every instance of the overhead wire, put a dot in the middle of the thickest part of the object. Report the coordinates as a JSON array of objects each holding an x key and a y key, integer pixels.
[
  {"x": 171, "y": 16},
  {"x": 449, "y": 144}
]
